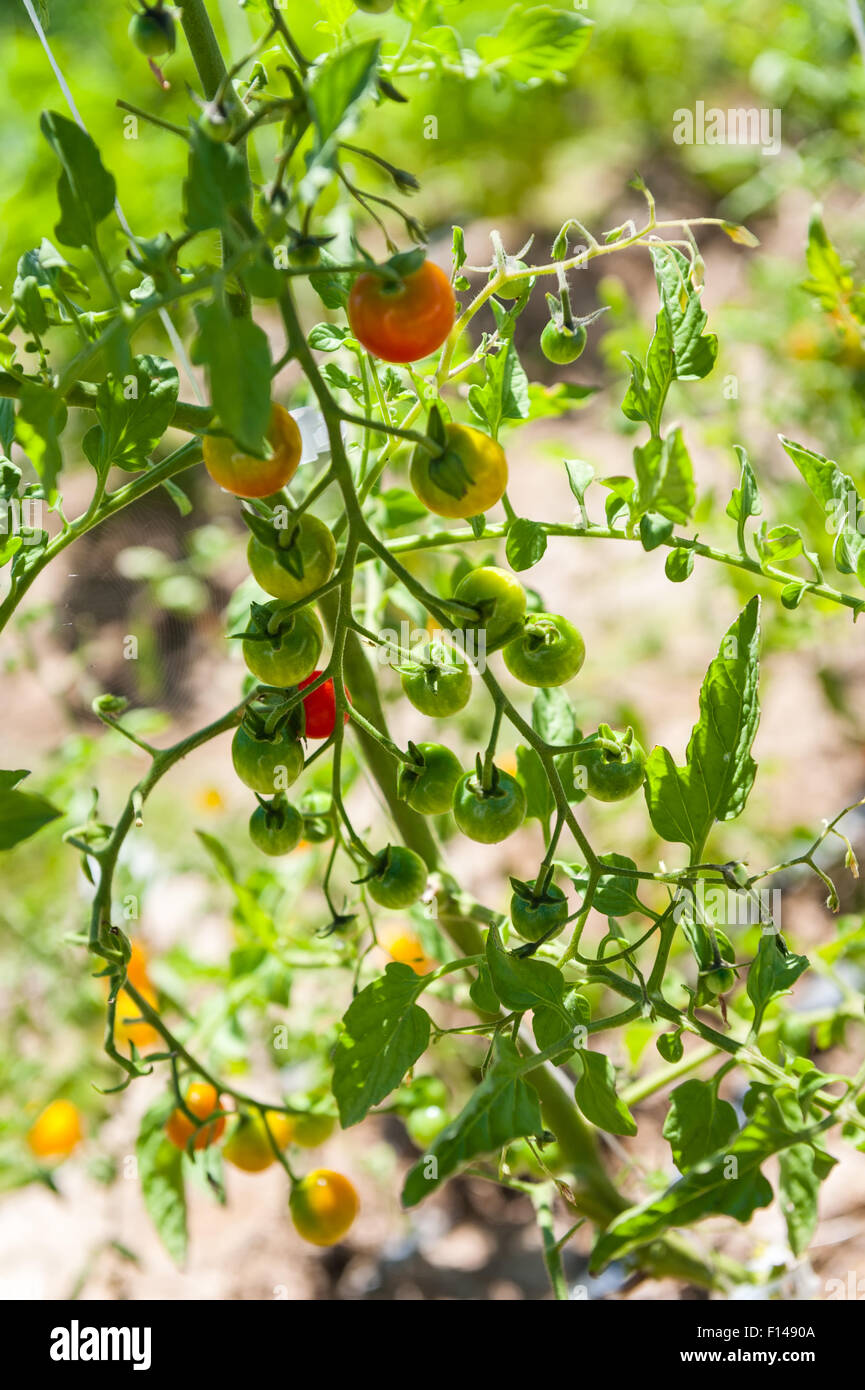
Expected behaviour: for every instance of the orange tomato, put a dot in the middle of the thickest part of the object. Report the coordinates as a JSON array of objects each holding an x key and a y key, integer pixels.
[
  {"x": 402, "y": 945},
  {"x": 202, "y": 1099},
  {"x": 143, "y": 1034},
  {"x": 246, "y": 476},
  {"x": 406, "y": 320},
  {"x": 248, "y": 1146},
  {"x": 57, "y": 1131},
  {"x": 323, "y": 1206}
]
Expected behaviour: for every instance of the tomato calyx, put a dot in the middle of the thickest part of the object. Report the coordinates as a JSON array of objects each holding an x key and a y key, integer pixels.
[
  {"x": 270, "y": 622},
  {"x": 270, "y": 716},
  {"x": 281, "y": 542}
]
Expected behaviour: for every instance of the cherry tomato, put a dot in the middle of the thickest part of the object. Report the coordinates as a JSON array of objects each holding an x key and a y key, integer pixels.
[
  {"x": 266, "y": 765},
  {"x": 289, "y": 646},
  {"x": 533, "y": 917},
  {"x": 143, "y": 1034},
  {"x": 561, "y": 344},
  {"x": 500, "y": 601},
  {"x": 439, "y": 681},
  {"x": 136, "y": 967},
  {"x": 323, "y": 1206},
  {"x": 308, "y": 546},
  {"x": 405, "y": 320},
  {"x": 217, "y": 121},
  {"x": 316, "y": 809},
  {"x": 428, "y": 785},
  {"x": 489, "y": 815},
  {"x": 613, "y": 768},
  {"x": 57, "y": 1131},
  {"x": 247, "y": 476},
  {"x": 425, "y": 1123},
  {"x": 153, "y": 31},
  {"x": 549, "y": 651},
  {"x": 403, "y": 946},
  {"x": 397, "y": 878},
  {"x": 277, "y": 828},
  {"x": 515, "y": 289},
  {"x": 312, "y": 1129},
  {"x": 319, "y": 708},
  {"x": 423, "y": 1090},
  {"x": 201, "y": 1099},
  {"x": 467, "y": 479},
  {"x": 719, "y": 980},
  {"x": 248, "y": 1146}
]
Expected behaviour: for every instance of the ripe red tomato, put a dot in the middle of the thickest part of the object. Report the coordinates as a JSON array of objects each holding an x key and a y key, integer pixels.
[
  {"x": 405, "y": 320},
  {"x": 319, "y": 708}
]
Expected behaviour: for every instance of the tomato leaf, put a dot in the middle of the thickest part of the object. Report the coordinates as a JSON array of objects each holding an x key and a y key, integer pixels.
[
  {"x": 595, "y": 1094},
  {"x": 503, "y": 1107},
  {"x": 85, "y": 189},
  {"x": 241, "y": 399},
  {"x": 22, "y": 814},
  {"x": 698, "y": 1123},
  {"x": 135, "y": 411},
  {"x": 615, "y": 894},
  {"x": 385, "y": 1033},
  {"x": 218, "y": 182},
  {"x": 719, "y": 772},
  {"x": 665, "y": 478},
  {"x": 694, "y": 352},
  {"x": 798, "y": 1188},
  {"x": 535, "y": 45},
  {"x": 526, "y": 543},
  {"x": 773, "y": 971},
  {"x": 524, "y": 983},
  {"x": 160, "y": 1172},
  {"x": 843, "y": 505}
]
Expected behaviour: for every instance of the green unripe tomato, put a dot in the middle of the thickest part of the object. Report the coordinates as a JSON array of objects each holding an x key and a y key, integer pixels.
[
  {"x": 316, "y": 809},
  {"x": 425, "y": 1124},
  {"x": 516, "y": 288},
  {"x": 398, "y": 879},
  {"x": 561, "y": 344},
  {"x": 261, "y": 762},
  {"x": 153, "y": 32},
  {"x": 535, "y": 917},
  {"x": 289, "y": 656},
  {"x": 549, "y": 651},
  {"x": 489, "y": 815},
  {"x": 311, "y": 549},
  {"x": 521, "y": 1160},
  {"x": 611, "y": 773},
  {"x": 442, "y": 683},
  {"x": 275, "y": 829},
  {"x": 718, "y": 981},
  {"x": 501, "y": 603},
  {"x": 429, "y": 785},
  {"x": 374, "y": 6},
  {"x": 422, "y": 1091},
  {"x": 312, "y": 1129}
]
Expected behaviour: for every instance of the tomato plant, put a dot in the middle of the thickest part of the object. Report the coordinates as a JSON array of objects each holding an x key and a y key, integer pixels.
[{"x": 410, "y": 542}]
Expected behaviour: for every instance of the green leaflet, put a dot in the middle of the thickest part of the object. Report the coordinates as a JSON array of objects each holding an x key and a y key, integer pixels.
[
  {"x": 218, "y": 182},
  {"x": 524, "y": 983},
  {"x": 694, "y": 352},
  {"x": 728, "y": 1183},
  {"x": 665, "y": 478},
  {"x": 385, "y": 1033},
  {"x": 773, "y": 970},
  {"x": 160, "y": 1171},
  {"x": 85, "y": 189},
  {"x": 714, "y": 784},
  {"x": 503, "y": 1107},
  {"x": 134, "y": 411},
  {"x": 241, "y": 399},
  {"x": 698, "y": 1123},
  {"x": 596, "y": 1096},
  {"x": 505, "y": 392},
  {"x": 526, "y": 543},
  {"x": 799, "y": 1187},
  {"x": 647, "y": 392},
  {"x": 21, "y": 813},
  {"x": 837, "y": 494},
  {"x": 536, "y": 44}
]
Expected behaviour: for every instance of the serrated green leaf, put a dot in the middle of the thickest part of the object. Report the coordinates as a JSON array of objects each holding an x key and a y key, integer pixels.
[
  {"x": 698, "y": 1123},
  {"x": 523, "y": 983},
  {"x": 385, "y": 1031},
  {"x": 241, "y": 400},
  {"x": 160, "y": 1172},
  {"x": 85, "y": 189},
  {"x": 595, "y": 1094},
  {"x": 773, "y": 971}
]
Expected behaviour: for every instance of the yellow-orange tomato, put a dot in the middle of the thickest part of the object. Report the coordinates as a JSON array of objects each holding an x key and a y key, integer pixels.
[
  {"x": 404, "y": 320},
  {"x": 323, "y": 1206},
  {"x": 404, "y": 946},
  {"x": 248, "y": 1146},
  {"x": 141, "y": 1033},
  {"x": 246, "y": 476},
  {"x": 202, "y": 1099},
  {"x": 136, "y": 969},
  {"x": 57, "y": 1131}
]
